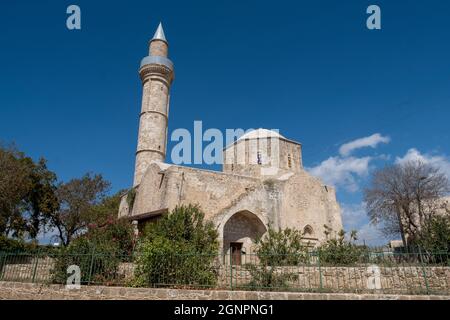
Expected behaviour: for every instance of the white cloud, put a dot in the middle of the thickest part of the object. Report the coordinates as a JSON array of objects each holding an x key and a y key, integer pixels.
[
  {"x": 438, "y": 161},
  {"x": 338, "y": 171},
  {"x": 345, "y": 170},
  {"x": 371, "y": 141}
]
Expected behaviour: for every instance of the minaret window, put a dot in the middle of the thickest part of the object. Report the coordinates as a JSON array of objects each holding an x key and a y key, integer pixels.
[
  {"x": 289, "y": 161},
  {"x": 258, "y": 157}
]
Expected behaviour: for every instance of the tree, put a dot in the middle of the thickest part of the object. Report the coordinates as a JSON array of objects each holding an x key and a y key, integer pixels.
[
  {"x": 107, "y": 209},
  {"x": 27, "y": 193},
  {"x": 403, "y": 197},
  {"x": 178, "y": 249},
  {"x": 77, "y": 199},
  {"x": 41, "y": 198}
]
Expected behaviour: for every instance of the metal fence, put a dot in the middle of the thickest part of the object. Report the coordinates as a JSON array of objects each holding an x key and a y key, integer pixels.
[{"x": 372, "y": 272}]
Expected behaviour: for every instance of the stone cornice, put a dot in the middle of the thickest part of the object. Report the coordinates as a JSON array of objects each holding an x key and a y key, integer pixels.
[{"x": 156, "y": 70}]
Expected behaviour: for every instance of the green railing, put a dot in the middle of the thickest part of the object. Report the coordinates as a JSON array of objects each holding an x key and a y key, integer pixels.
[{"x": 371, "y": 272}]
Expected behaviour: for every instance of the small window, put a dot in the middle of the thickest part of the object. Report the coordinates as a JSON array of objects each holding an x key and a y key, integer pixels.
[
  {"x": 308, "y": 231},
  {"x": 258, "y": 156},
  {"x": 289, "y": 161},
  {"x": 232, "y": 167}
]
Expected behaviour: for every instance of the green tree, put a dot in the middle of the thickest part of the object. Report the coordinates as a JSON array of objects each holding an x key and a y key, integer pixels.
[
  {"x": 41, "y": 198},
  {"x": 79, "y": 200},
  {"x": 107, "y": 209},
  {"x": 27, "y": 194},
  {"x": 179, "y": 249}
]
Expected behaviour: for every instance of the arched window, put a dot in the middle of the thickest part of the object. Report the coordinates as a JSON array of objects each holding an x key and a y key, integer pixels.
[{"x": 308, "y": 231}]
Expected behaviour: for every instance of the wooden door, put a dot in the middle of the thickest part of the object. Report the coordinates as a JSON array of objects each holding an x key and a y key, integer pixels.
[{"x": 236, "y": 249}]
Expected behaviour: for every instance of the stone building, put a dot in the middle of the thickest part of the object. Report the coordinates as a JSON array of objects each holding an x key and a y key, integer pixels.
[{"x": 262, "y": 183}]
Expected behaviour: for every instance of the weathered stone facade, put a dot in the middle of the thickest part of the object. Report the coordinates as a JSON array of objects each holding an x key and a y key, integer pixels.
[{"x": 262, "y": 184}]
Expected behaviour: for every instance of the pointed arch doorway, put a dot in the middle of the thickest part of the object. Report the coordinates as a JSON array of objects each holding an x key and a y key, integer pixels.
[{"x": 239, "y": 233}]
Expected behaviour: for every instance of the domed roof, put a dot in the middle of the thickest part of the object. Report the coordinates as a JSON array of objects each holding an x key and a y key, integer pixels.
[{"x": 261, "y": 134}]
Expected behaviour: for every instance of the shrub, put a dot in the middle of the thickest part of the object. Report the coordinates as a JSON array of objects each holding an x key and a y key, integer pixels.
[
  {"x": 98, "y": 253},
  {"x": 281, "y": 248},
  {"x": 117, "y": 232},
  {"x": 434, "y": 240},
  {"x": 276, "y": 250},
  {"x": 338, "y": 251},
  {"x": 179, "y": 249}
]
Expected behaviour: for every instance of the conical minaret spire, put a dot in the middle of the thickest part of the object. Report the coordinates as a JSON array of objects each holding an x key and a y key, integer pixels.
[{"x": 159, "y": 34}]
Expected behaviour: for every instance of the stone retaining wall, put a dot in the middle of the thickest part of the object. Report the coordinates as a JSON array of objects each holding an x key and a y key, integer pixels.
[
  {"x": 369, "y": 279},
  {"x": 396, "y": 279},
  {"x": 34, "y": 291}
]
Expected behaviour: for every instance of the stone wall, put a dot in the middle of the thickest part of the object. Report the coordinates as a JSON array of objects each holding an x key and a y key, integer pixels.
[
  {"x": 362, "y": 279},
  {"x": 38, "y": 270},
  {"x": 372, "y": 279},
  {"x": 30, "y": 291}
]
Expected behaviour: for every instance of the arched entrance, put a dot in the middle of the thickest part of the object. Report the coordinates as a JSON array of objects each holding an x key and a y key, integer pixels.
[{"x": 239, "y": 234}]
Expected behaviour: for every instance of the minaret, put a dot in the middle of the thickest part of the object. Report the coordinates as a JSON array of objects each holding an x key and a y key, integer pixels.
[{"x": 157, "y": 74}]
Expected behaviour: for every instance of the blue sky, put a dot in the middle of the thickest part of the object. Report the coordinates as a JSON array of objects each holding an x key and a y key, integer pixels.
[{"x": 308, "y": 68}]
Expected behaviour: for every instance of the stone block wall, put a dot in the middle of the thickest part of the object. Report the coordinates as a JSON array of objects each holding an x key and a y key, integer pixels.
[
  {"x": 38, "y": 270},
  {"x": 400, "y": 280},
  {"x": 33, "y": 291},
  {"x": 361, "y": 279}
]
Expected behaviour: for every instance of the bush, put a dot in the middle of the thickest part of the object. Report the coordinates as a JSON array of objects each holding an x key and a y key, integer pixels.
[
  {"x": 179, "y": 249},
  {"x": 117, "y": 232},
  {"x": 98, "y": 262},
  {"x": 274, "y": 251},
  {"x": 338, "y": 251},
  {"x": 434, "y": 240},
  {"x": 282, "y": 248},
  {"x": 98, "y": 253}
]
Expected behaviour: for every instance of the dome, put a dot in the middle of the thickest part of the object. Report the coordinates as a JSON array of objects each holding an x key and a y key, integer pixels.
[{"x": 261, "y": 134}]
